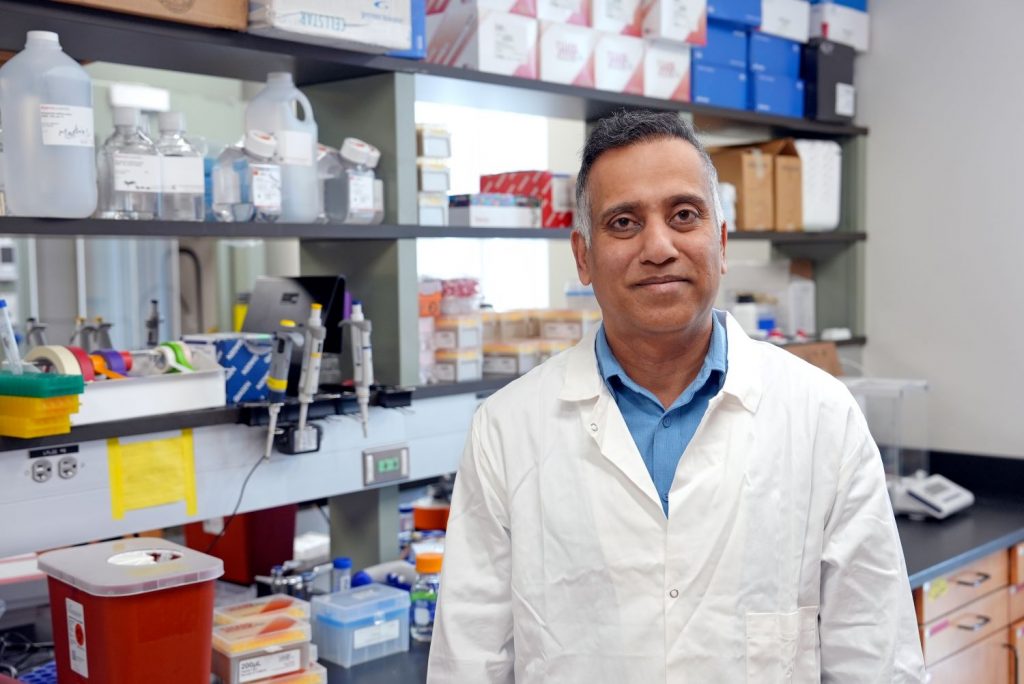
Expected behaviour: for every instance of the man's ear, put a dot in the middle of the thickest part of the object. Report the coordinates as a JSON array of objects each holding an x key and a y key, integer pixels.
[{"x": 579, "y": 254}]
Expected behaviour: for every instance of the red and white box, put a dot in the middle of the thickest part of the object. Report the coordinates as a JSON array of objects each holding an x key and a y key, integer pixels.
[
  {"x": 619, "y": 64},
  {"x": 567, "y": 54},
  {"x": 467, "y": 35},
  {"x": 554, "y": 190},
  {"x": 527, "y": 8},
  {"x": 616, "y": 16},
  {"x": 575, "y": 12},
  {"x": 667, "y": 71},
  {"x": 841, "y": 24},
  {"x": 676, "y": 21}
]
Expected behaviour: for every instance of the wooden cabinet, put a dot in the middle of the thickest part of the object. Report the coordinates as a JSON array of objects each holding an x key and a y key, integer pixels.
[
  {"x": 1017, "y": 564},
  {"x": 956, "y": 589},
  {"x": 1017, "y": 654},
  {"x": 1016, "y": 602},
  {"x": 986, "y": 662},
  {"x": 970, "y": 623}
]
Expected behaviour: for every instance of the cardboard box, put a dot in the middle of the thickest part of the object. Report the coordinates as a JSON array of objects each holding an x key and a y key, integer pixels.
[
  {"x": 567, "y": 54},
  {"x": 773, "y": 55},
  {"x": 787, "y": 183},
  {"x": 827, "y": 71},
  {"x": 575, "y": 12},
  {"x": 229, "y": 14},
  {"x": 667, "y": 71},
  {"x": 619, "y": 64},
  {"x": 720, "y": 86},
  {"x": 433, "y": 175},
  {"x": 433, "y": 141},
  {"x": 861, "y": 5},
  {"x": 621, "y": 17},
  {"x": 554, "y": 190},
  {"x": 485, "y": 40},
  {"x": 527, "y": 8},
  {"x": 790, "y": 19},
  {"x": 777, "y": 95},
  {"x": 824, "y": 355},
  {"x": 840, "y": 24},
  {"x": 727, "y": 46},
  {"x": 418, "y": 39},
  {"x": 245, "y": 358},
  {"x": 751, "y": 171},
  {"x": 433, "y": 208},
  {"x": 494, "y": 210},
  {"x": 675, "y": 21},
  {"x": 745, "y": 12},
  {"x": 362, "y": 25}
]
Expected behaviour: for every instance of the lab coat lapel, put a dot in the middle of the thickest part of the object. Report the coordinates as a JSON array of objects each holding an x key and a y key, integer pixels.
[{"x": 608, "y": 429}]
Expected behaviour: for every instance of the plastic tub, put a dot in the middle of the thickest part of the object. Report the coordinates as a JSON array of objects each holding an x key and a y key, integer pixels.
[
  {"x": 465, "y": 365},
  {"x": 275, "y": 605},
  {"x": 362, "y": 624},
  {"x": 549, "y": 348},
  {"x": 131, "y": 610},
  {"x": 314, "y": 674},
  {"x": 260, "y": 649},
  {"x": 458, "y": 332},
  {"x": 513, "y": 325},
  {"x": 510, "y": 358},
  {"x": 568, "y": 324}
]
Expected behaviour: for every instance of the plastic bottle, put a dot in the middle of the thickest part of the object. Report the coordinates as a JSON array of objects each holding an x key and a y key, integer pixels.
[
  {"x": 247, "y": 181},
  {"x": 349, "y": 198},
  {"x": 378, "y": 202},
  {"x": 3, "y": 197},
  {"x": 275, "y": 109},
  {"x": 424, "y": 595},
  {"x": 46, "y": 106},
  {"x": 341, "y": 574},
  {"x": 405, "y": 527},
  {"x": 328, "y": 167},
  {"x": 181, "y": 172},
  {"x": 129, "y": 170}
]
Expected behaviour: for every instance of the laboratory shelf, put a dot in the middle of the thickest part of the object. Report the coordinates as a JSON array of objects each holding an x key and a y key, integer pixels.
[
  {"x": 97, "y": 35},
  {"x": 13, "y": 225}
]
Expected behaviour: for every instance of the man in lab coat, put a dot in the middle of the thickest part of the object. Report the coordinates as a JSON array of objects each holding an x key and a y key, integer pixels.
[{"x": 669, "y": 501}]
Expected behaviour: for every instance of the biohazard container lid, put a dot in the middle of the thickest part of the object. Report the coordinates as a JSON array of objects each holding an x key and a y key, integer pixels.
[{"x": 126, "y": 567}]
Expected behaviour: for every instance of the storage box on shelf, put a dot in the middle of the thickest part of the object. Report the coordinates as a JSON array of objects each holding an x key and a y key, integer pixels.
[
  {"x": 840, "y": 23},
  {"x": 469, "y": 34},
  {"x": 230, "y": 14},
  {"x": 361, "y": 25},
  {"x": 786, "y": 19},
  {"x": 675, "y": 21}
]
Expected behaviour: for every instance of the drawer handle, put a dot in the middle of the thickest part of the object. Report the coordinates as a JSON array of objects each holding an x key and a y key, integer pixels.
[
  {"x": 981, "y": 578},
  {"x": 981, "y": 622}
]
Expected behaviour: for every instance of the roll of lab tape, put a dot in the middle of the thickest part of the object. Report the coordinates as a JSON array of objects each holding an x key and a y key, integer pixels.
[
  {"x": 100, "y": 365},
  {"x": 174, "y": 354},
  {"x": 126, "y": 357},
  {"x": 114, "y": 360},
  {"x": 59, "y": 358},
  {"x": 84, "y": 362}
]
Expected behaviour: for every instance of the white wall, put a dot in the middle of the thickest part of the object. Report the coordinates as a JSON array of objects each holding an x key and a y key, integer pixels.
[{"x": 941, "y": 93}]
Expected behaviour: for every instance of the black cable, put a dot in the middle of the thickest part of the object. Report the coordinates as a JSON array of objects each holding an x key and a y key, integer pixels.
[
  {"x": 238, "y": 504},
  {"x": 324, "y": 513}
]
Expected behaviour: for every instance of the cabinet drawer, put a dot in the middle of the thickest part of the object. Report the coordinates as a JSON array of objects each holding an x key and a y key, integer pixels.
[
  {"x": 1017, "y": 564},
  {"x": 947, "y": 593},
  {"x": 986, "y": 662},
  {"x": 964, "y": 626},
  {"x": 1017, "y": 641},
  {"x": 1017, "y": 604}
]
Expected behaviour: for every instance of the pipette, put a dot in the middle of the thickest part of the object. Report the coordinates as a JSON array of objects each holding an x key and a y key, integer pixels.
[
  {"x": 8, "y": 341},
  {"x": 309, "y": 380},
  {"x": 277, "y": 378},
  {"x": 362, "y": 361}
]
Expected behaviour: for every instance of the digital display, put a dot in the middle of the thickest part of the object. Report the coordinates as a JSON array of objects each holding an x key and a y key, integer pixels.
[
  {"x": 389, "y": 465},
  {"x": 935, "y": 488}
]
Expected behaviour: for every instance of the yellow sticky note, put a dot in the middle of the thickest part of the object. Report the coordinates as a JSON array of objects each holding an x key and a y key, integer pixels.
[{"x": 145, "y": 474}]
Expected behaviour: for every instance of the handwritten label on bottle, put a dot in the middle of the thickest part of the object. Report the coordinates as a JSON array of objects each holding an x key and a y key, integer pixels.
[
  {"x": 66, "y": 125},
  {"x": 136, "y": 172}
]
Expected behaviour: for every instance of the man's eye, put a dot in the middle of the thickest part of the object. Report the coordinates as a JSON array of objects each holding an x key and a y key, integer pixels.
[
  {"x": 623, "y": 223},
  {"x": 687, "y": 215}
]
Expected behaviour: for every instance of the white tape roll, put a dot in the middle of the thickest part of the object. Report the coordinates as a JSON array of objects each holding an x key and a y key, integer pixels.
[
  {"x": 170, "y": 361},
  {"x": 62, "y": 360}
]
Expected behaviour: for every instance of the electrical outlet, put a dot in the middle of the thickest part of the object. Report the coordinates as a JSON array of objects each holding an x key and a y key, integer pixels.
[
  {"x": 42, "y": 470},
  {"x": 67, "y": 467}
]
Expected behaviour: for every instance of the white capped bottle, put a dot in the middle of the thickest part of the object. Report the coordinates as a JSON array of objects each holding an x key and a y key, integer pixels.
[
  {"x": 181, "y": 172},
  {"x": 328, "y": 167},
  {"x": 349, "y": 198},
  {"x": 46, "y": 107},
  {"x": 247, "y": 181},
  {"x": 276, "y": 109},
  {"x": 128, "y": 166}
]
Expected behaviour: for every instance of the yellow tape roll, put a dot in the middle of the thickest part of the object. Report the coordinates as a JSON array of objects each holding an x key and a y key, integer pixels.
[{"x": 62, "y": 360}]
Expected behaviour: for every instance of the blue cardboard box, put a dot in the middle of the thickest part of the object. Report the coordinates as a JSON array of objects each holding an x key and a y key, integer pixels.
[
  {"x": 745, "y": 12},
  {"x": 720, "y": 86},
  {"x": 861, "y": 5},
  {"x": 419, "y": 33},
  {"x": 777, "y": 95},
  {"x": 727, "y": 46},
  {"x": 245, "y": 358},
  {"x": 773, "y": 55}
]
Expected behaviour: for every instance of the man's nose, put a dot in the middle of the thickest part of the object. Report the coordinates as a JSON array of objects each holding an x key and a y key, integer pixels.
[{"x": 658, "y": 242}]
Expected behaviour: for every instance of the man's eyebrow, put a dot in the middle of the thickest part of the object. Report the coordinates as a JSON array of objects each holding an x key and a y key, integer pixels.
[
  {"x": 621, "y": 207},
  {"x": 687, "y": 198}
]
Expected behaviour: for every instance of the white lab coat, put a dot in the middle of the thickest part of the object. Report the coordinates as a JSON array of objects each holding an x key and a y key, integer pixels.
[{"x": 779, "y": 560}]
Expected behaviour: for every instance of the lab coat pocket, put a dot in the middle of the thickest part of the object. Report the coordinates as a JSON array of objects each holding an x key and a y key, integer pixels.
[{"x": 783, "y": 647}]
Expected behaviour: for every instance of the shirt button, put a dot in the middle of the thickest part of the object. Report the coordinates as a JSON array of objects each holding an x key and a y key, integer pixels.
[
  {"x": 593, "y": 427},
  {"x": 674, "y": 593},
  {"x": 666, "y": 421}
]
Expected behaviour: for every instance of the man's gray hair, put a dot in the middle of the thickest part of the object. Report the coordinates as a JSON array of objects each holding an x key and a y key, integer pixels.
[{"x": 629, "y": 127}]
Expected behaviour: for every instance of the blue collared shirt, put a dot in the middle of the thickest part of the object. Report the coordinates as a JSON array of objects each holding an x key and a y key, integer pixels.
[{"x": 662, "y": 435}]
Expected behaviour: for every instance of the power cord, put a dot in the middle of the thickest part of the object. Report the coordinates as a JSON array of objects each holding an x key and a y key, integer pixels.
[{"x": 238, "y": 504}]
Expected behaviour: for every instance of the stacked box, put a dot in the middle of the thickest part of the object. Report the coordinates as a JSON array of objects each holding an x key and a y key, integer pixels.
[
  {"x": 827, "y": 70},
  {"x": 841, "y": 21},
  {"x": 667, "y": 71},
  {"x": 720, "y": 67},
  {"x": 362, "y": 25},
  {"x": 434, "y": 148},
  {"x": 495, "y": 210},
  {"x": 484, "y": 35},
  {"x": 789, "y": 19},
  {"x": 566, "y": 53},
  {"x": 554, "y": 190},
  {"x": 263, "y": 649},
  {"x": 675, "y": 21}
]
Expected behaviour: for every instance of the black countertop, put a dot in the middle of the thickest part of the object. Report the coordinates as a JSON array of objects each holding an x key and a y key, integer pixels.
[{"x": 401, "y": 668}]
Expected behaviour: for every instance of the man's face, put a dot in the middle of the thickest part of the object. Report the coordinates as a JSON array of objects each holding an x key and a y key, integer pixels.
[{"x": 656, "y": 256}]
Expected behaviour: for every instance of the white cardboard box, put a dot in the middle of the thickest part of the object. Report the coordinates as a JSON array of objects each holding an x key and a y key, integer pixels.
[
  {"x": 567, "y": 54},
  {"x": 576, "y": 12},
  {"x": 495, "y": 217},
  {"x": 433, "y": 209},
  {"x": 667, "y": 71},
  {"x": 841, "y": 25},
  {"x": 363, "y": 25},
  {"x": 790, "y": 19},
  {"x": 677, "y": 21},
  {"x": 527, "y": 8},
  {"x": 485, "y": 40},
  {"x": 619, "y": 64},
  {"x": 616, "y": 16}
]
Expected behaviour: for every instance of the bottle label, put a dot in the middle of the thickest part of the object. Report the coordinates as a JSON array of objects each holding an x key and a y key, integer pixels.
[
  {"x": 295, "y": 148},
  {"x": 266, "y": 186},
  {"x": 183, "y": 175},
  {"x": 360, "y": 198},
  {"x": 66, "y": 125},
  {"x": 136, "y": 172}
]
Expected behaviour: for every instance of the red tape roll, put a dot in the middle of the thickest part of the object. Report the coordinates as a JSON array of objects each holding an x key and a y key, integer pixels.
[
  {"x": 115, "y": 361},
  {"x": 88, "y": 370},
  {"x": 127, "y": 356}
]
